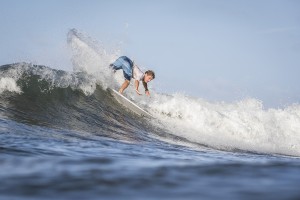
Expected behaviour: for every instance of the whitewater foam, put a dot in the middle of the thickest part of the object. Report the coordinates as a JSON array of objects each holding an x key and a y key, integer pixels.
[
  {"x": 9, "y": 84},
  {"x": 91, "y": 57},
  {"x": 242, "y": 125}
]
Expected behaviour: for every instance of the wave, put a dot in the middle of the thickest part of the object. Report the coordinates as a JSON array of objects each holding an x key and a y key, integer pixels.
[
  {"x": 60, "y": 99},
  {"x": 79, "y": 100}
]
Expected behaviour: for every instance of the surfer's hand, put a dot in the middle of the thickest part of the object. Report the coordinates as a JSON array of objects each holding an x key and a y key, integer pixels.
[
  {"x": 147, "y": 93},
  {"x": 138, "y": 92}
]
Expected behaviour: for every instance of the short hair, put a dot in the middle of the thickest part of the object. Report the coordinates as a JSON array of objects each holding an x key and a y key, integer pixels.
[{"x": 151, "y": 73}]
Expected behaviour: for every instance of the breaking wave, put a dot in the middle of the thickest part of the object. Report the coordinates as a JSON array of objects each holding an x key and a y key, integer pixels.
[{"x": 79, "y": 100}]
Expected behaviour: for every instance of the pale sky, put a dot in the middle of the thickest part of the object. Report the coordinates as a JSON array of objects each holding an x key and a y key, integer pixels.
[{"x": 219, "y": 50}]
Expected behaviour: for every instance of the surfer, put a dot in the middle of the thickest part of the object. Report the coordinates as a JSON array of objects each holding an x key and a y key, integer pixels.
[{"x": 131, "y": 70}]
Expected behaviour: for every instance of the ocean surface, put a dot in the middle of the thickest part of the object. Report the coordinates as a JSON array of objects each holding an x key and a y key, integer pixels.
[{"x": 64, "y": 136}]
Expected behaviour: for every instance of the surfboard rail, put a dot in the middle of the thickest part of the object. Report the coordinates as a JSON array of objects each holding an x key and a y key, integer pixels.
[{"x": 129, "y": 104}]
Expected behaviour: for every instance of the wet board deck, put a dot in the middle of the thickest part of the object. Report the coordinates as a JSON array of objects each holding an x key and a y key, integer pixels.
[{"x": 129, "y": 104}]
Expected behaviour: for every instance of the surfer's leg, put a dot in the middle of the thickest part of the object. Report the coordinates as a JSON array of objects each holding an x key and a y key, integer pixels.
[
  {"x": 124, "y": 86},
  {"x": 118, "y": 64}
]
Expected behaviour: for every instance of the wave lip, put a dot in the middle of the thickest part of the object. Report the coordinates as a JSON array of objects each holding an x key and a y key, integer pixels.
[{"x": 14, "y": 77}]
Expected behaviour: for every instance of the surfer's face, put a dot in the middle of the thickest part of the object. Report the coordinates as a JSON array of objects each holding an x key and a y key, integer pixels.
[{"x": 148, "y": 78}]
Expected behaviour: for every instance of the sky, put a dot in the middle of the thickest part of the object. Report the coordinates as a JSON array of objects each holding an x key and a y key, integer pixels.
[{"x": 219, "y": 50}]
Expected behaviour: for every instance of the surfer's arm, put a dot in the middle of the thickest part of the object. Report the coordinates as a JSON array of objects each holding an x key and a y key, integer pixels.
[
  {"x": 137, "y": 83},
  {"x": 146, "y": 88}
]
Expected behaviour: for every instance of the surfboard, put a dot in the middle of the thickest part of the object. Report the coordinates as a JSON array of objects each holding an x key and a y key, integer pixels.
[{"x": 129, "y": 104}]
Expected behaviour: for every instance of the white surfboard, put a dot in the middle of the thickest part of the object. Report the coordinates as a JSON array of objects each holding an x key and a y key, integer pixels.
[{"x": 129, "y": 104}]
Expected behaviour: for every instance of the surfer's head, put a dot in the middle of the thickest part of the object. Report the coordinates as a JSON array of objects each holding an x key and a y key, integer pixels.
[{"x": 149, "y": 76}]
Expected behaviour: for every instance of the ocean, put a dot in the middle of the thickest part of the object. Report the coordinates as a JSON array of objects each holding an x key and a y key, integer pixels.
[{"x": 64, "y": 136}]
